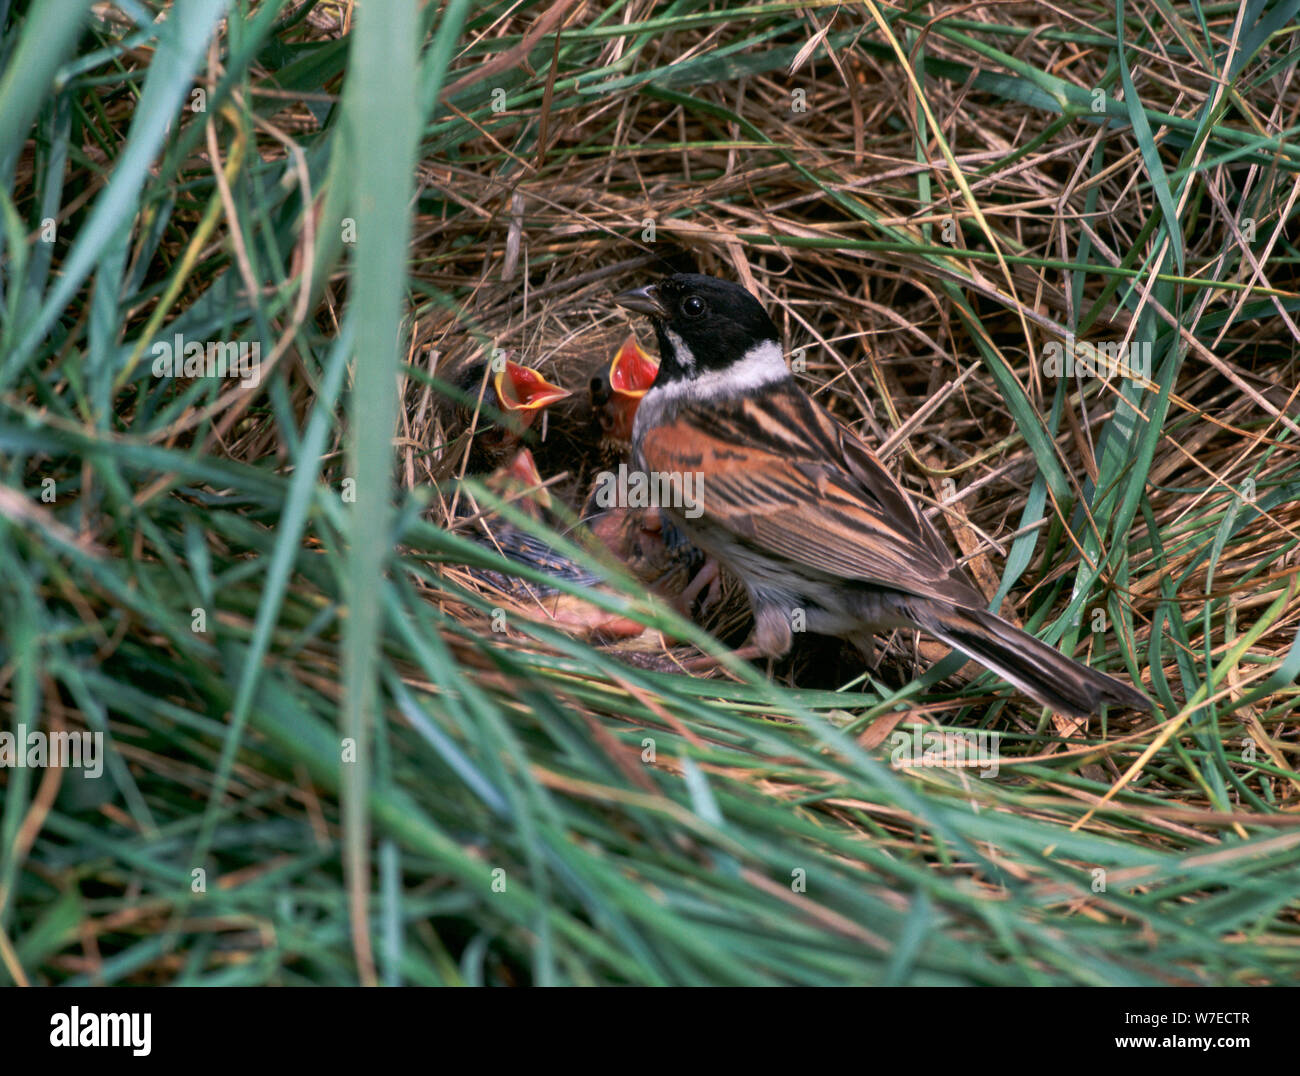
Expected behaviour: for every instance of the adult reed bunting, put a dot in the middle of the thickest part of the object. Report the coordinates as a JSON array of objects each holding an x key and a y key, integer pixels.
[{"x": 803, "y": 512}]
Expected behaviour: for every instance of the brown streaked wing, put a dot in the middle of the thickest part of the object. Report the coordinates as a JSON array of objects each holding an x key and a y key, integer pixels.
[
  {"x": 866, "y": 467},
  {"x": 776, "y": 475}
]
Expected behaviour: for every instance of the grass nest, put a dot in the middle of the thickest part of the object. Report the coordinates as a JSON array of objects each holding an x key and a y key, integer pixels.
[{"x": 337, "y": 750}]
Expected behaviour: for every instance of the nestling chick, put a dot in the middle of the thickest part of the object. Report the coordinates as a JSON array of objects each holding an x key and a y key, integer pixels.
[
  {"x": 654, "y": 550},
  {"x": 499, "y": 405},
  {"x": 521, "y": 484}
]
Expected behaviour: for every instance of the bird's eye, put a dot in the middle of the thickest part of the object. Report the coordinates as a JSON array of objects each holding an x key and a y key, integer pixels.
[{"x": 693, "y": 306}]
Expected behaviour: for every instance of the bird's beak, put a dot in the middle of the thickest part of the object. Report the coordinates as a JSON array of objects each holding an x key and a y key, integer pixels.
[
  {"x": 521, "y": 389},
  {"x": 523, "y": 469},
  {"x": 633, "y": 370},
  {"x": 521, "y": 476},
  {"x": 631, "y": 374},
  {"x": 642, "y": 301}
]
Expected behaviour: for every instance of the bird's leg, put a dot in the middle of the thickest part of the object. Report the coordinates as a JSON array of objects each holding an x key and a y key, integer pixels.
[
  {"x": 772, "y": 634},
  {"x": 748, "y": 652},
  {"x": 707, "y": 576},
  {"x": 771, "y": 639}
]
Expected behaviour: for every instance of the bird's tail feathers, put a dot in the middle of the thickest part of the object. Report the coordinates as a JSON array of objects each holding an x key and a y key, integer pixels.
[{"x": 1040, "y": 671}]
